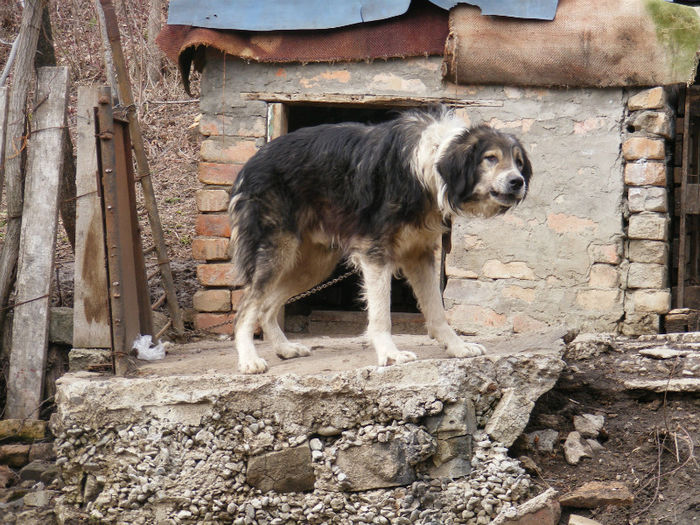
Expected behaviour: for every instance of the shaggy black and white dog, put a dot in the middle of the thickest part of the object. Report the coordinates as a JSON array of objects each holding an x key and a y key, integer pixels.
[{"x": 378, "y": 194}]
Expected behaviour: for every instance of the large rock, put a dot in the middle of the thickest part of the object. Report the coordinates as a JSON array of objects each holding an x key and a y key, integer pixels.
[
  {"x": 598, "y": 494},
  {"x": 576, "y": 448},
  {"x": 453, "y": 429},
  {"x": 540, "y": 510},
  {"x": 589, "y": 425},
  {"x": 22, "y": 429},
  {"x": 288, "y": 470},
  {"x": 510, "y": 417}
]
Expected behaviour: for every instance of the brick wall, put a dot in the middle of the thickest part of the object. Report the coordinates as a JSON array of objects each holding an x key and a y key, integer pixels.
[
  {"x": 649, "y": 128},
  {"x": 587, "y": 249}
]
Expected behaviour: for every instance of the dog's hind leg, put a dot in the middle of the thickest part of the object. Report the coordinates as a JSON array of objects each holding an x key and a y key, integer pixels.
[
  {"x": 312, "y": 264},
  {"x": 377, "y": 283},
  {"x": 422, "y": 275},
  {"x": 246, "y": 319}
]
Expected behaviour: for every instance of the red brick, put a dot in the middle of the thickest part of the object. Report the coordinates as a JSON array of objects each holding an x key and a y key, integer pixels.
[
  {"x": 210, "y": 249},
  {"x": 213, "y": 225},
  {"x": 638, "y": 148},
  {"x": 227, "y": 149},
  {"x": 215, "y": 323},
  {"x": 212, "y": 200},
  {"x": 222, "y": 274},
  {"x": 218, "y": 174}
]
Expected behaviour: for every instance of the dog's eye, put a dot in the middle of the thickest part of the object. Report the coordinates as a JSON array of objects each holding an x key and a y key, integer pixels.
[{"x": 491, "y": 158}]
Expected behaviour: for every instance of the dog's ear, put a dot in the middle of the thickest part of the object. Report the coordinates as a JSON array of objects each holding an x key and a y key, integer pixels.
[
  {"x": 458, "y": 167},
  {"x": 526, "y": 170}
]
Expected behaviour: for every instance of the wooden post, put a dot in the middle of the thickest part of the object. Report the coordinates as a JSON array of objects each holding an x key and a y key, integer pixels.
[
  {"x": 682, "y": 230},
  {"x": 38, "y": 238},
  {"x": 90, "y": 302},
  {"x": 127, "y": 100},
  {"x": 3, "y": 125},
  {"x": 14, "y": 144}
]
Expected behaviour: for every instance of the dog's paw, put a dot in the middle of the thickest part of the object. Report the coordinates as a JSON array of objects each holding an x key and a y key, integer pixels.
[
  {"x": 290, "y": 350},
  {"x": 397, "y": 357},
  {"x": 466, "y": 350},
  {"x": 257, "y": 365}
]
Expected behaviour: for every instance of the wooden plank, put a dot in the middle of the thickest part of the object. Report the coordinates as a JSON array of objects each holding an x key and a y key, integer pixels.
[
  {"x": 90, "y": 301},
  {"x": 37, "y": 242},
  {"x": 367, "y": 100},
  {"x": 680, "y": 296},
  {"x": 3, "y": 125}
]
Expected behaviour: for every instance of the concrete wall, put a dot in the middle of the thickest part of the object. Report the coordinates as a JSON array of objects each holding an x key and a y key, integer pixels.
[{"x": 560, "y": 258}]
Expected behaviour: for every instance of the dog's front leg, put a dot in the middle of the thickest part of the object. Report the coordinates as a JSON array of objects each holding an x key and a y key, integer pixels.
[
  {"x": 377, "y": 281},
  {"x": 423, "y": 277}
]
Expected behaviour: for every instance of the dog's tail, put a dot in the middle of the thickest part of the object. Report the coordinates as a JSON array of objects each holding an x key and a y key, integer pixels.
[{"x": 246, "y": 235}]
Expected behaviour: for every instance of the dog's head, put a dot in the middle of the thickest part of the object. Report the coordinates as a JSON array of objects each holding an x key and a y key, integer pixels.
[{"x": 485, "y": 172}]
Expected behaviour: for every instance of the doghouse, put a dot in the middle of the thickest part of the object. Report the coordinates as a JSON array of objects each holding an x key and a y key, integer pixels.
[{"x": 593, "y": 94}]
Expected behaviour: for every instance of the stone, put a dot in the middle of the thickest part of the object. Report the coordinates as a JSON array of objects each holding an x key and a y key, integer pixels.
[
  {"x": 597, "y": 300},
  {"x": 458, "y": 418},
  {"x": 648, "y": 225},
  {"x": 374, "y": 466},
  {"x": 598, "y": 494},
  {"x": 228, "y": 150},
  {"x": 605, "y": 253},
  {"x": 575, "y": 519},
  {"x": 654, "y": 122},
  {"x": 34, "y": 470},
  {"x": 543, "y": 440},
  {"x": 14, "y": 455},
  {"x": 510, "y": 417},
  {"x": 7, "y": 476},
  {"x": 664, "y": 353},
  {"x": 84, "y": 358},
  {"x": 643, "y": 275},
  {"x": 604, "y": 276},
  {"x": 647, "y": 199},
  {"x": 648, "y": 251},
  {"x": 288, "y": 470},
  {"x": 656, "y": 301},
  {"x": 41, "y": 451},
  {"x": 654, "y": 98},
  {"x": 22, "y": 429},
  {"x": 575, "y": 448},
  {"x": 589, "y": 425},
  {"x": 643, "y": 148},
  {"x": 495, "y": 269},
  {"x": 543, "y": 509},
  {"x": 685, "y": 384},
  {"x": 644, "y": 173},
  {"x": 588, "y": 345},
  {"x": 38, "y": 498},
  {"x": 61, "y": 325}
]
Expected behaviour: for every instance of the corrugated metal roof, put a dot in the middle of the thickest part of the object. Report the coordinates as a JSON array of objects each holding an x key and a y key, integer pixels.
[{"x": 271, "y": 15}]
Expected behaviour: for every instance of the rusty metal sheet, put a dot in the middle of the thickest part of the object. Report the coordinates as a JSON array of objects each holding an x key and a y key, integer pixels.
[{"x": 420, "y": 32}]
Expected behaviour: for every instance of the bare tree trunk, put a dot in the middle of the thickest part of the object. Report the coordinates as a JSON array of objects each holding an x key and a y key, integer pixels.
[
  {"x": 14, "y": 144},
  {"x": 46, "y": 56},
  {"x": 154, "y": 56}
]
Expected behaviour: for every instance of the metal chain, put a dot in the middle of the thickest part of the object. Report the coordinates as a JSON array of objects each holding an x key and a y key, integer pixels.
[
  {"x": 293, "y": 299},
  {"x": 320, "y": 287}
]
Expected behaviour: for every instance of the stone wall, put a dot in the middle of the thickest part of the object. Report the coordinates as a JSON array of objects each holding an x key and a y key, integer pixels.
[
  {"x": 425, "y": 442},
  {"x": 561, "y": 258}
]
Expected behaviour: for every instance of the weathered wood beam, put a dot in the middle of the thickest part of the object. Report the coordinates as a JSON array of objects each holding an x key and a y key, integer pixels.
[
  {"x": 367, "y": 100},
  {"x": 30, "y": 325}
]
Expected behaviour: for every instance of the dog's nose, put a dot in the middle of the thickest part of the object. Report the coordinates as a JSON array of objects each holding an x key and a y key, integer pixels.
[{"x": 515, "y": 182}]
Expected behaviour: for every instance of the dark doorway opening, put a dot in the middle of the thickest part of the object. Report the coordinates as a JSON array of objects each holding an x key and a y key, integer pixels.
[{"x": 347, "y": 294}]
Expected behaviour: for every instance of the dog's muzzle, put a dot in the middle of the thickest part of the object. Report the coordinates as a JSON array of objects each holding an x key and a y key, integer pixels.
[{"x": 509, "y": 189}]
